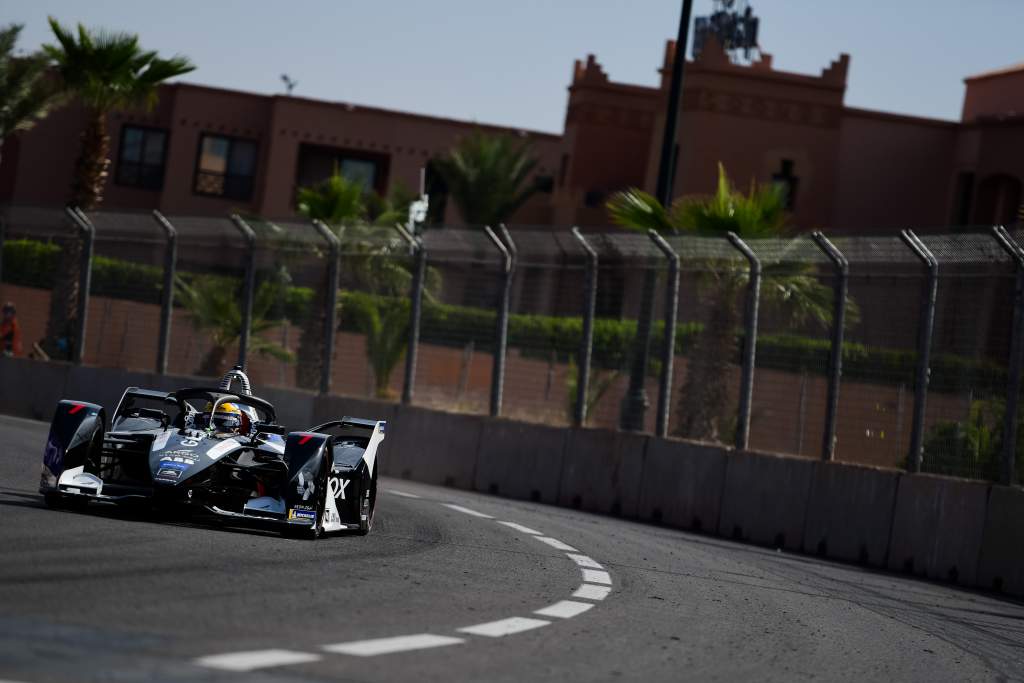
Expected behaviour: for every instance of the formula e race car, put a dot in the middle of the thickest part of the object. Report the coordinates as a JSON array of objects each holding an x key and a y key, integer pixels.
[{"x": 218, "y": 453}]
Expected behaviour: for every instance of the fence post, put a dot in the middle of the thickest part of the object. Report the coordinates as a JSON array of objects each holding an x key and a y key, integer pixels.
[
  {"x": 924, "y": 345},
  {"x": 501, "y": 332},
  {"x": 669, "y": 343},
  {"x": 586, "y": 349},
  {"x": 749, "y": 340},
  {"x": 330, "y": 304},
  {"x": 835, "y": 360},
  {"x": 419, "y": 274},
  {"x": 88, "y": 231},
  {"x": 1013, "y": 379},
  {"x": 167, "y": 301},
  {"x": 249, "y": 289},
  {"x": 3, "y": 228}
]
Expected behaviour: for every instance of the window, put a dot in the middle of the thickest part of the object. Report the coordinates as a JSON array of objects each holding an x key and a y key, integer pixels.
[
  {"x": 226, "y": 167},
  {"x": 140, "y": 157},
  {"x": 787, "y": 183},
  {"x": 317, "y": 163}
]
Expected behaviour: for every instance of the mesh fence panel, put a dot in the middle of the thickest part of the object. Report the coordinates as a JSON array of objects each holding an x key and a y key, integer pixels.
[
  {"x": 876, "y": 398},
  {"x": 793, "y": 344},
  {"x": 970, "y": 351},
  {"x": 458, "y": 329},
  {"x": 545, "y": 327},
  {"x": 125, "y": 291},
  {"x": 370, "y": 346},
  {"x": 206, "y": 321},
  {"x": 712, "y": 294},
  {"x": 33, "y": 248}
]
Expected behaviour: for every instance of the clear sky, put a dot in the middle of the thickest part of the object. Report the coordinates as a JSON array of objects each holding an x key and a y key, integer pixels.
[{"x": 508, "y": 62}]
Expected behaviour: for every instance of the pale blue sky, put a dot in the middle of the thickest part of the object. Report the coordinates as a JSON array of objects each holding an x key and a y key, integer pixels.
[{"x": 509, "y": 62}]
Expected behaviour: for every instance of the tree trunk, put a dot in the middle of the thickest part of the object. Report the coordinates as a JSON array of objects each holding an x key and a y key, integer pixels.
[
  {"x": 311, "y": 342},
  {"x": 87, "y": 193},
  {"x": 705, "y": 396},
  {"x": 212, "y": 364},
  {"x": 91, "y": 167}
]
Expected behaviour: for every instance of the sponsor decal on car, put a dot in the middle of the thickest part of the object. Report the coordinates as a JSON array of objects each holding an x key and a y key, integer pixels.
[
  {"x": 165, "y": 473},
  {"x": 300, "y": 514},
  {"x": 336, "y": 486},
  {"x": 170, "y": 464},
  {"x": 305, "y": 486}
]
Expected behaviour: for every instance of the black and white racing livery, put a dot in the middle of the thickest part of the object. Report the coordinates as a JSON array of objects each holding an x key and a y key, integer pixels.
[{"x": 303, "y": 483}]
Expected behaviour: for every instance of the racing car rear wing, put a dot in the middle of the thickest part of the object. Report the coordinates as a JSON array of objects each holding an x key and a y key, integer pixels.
[
  {"x": 136, "y": 392},
  {"x": 348, "y": 422}
]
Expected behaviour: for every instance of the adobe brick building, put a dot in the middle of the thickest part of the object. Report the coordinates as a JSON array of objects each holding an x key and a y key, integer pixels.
[{"x": 208, "y": 151}]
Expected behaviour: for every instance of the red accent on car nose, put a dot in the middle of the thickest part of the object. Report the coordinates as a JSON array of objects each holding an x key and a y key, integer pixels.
[
  {"x": 76, "y": 408},
  {"x": 304, "y": 439}
]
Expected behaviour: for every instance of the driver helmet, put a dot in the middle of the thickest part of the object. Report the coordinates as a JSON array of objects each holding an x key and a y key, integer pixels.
[{"x": 229, "y": 419}]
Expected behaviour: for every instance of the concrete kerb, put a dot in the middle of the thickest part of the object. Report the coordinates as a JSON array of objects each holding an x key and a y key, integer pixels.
[
  {"x": 602, "y": 471},
  {"x": 850, "y": 512},
  {"x": 938, "y": 527},
  {"x": 520, "y": 460},
  {"x": 1001, "y": 560},
  {"x": 682, "y": 484},
  {"x": 764, "y": 500}
]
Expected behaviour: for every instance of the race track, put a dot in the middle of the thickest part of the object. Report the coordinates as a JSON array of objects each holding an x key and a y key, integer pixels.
[{"x": 442, "y": 590}]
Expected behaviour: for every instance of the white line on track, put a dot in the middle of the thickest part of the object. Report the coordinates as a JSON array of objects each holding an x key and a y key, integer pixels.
[
  {"x": 403, "y": 494},
  {"x": 565, "y": 609},
  {"x": 459, "y": 508},
  {"x": 386, "y": 646},
  {"x": 504, "y": 627},
  {"x": 256, "y": 659},
  {"x": 521, "y": 528},
  {"x": 589, "y": 591},
  {"x": 556, "y": 544},
  {"x": 596, "y": 576},
  {"x": 584, "y": 561}
]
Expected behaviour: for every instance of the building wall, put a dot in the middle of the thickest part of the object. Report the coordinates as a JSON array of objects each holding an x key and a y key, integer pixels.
[
  {"x": 993, "y": 94},
  {"x": 893, "y": 172}
]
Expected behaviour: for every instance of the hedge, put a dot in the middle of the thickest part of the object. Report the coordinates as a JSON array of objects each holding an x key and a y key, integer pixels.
[{"x": 33, "y": 263}]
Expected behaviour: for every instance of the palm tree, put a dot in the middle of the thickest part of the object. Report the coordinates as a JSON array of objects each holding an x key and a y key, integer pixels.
[
  {"x": 703, "y": 405},
  {"x": 212, "y": 303},
  {"x": 107, "y": 72},
  {"x": 387, "y": 334},
  {"x": 488, "y": 177},
  {"x": 27, "y": 94}
]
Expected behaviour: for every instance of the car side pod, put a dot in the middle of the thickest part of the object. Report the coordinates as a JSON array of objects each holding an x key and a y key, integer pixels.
[{"x": 74, "y": 444}]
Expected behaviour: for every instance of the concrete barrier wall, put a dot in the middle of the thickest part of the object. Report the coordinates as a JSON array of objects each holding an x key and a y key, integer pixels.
[
  {"x": 849, "y": 512},
  {"x": 968, "y": 532},
  {"x": 938, "y": 527}
]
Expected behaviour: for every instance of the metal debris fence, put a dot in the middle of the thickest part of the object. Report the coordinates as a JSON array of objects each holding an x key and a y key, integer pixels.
[{"x": 898, "y": 350}]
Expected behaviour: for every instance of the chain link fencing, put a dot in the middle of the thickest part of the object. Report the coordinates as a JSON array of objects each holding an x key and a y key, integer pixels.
[{"x": 535, "y": 363}]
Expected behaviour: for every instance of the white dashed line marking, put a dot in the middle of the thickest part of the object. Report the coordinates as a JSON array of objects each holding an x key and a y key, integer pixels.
[
  {"x": 386, "y": 646},
  {"x": 596, "y": 576},
  {"x": 459, "y": 508},
  {"x": 565, "y": 609},
  {"x": 589, "y": 591},
  {"x": 521, "y": 528},
  {"x": 584, "y": 561},
  {"x": 556, "y": 544},
  {"x": 403, "y": 494},
  {"x": 504, "y": 627},
  {"x": 256, "y": 659}
]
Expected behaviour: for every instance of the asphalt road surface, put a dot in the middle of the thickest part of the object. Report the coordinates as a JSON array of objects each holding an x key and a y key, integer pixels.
[{"x": 454, "y": 586}]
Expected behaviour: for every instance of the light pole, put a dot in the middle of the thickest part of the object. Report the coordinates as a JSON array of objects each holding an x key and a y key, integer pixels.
[{"x": 636, "y": 402}]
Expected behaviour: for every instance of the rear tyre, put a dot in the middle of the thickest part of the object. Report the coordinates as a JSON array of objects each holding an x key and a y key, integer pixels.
[{"x": 367, "y": 504}]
